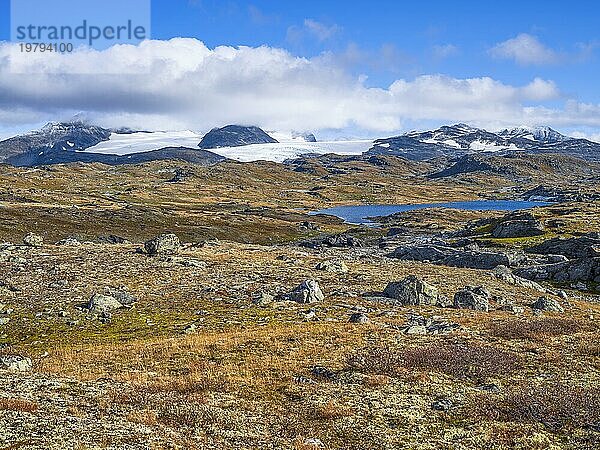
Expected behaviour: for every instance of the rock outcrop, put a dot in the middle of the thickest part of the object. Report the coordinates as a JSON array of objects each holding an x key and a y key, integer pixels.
[
  {"x": 165, "y": 244},
  {"x": 519, "y": 224},
  {"x": 412, "y": 291}
]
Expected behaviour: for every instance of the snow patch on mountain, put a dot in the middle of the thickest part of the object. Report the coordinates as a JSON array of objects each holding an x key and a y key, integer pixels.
[
  {"x": 282, "y": 151},
  {"x": 124, "y": 144}
]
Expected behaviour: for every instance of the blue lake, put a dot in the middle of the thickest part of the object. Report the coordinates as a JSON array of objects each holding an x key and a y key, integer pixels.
[{"x": 358, "y": 214}]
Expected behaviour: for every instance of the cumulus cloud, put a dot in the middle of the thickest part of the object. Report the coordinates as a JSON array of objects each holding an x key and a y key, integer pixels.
[
  {"x": 182, "y": 84},
  {"x": 525, "y": 49}
]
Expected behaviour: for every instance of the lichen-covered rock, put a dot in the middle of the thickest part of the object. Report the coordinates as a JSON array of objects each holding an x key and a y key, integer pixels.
[
  {"x": 547, "y": 304},
  {"x": 332, "y": 266},
  {"x": 15, "y": 363},
  {"x": 519, "y": 224},
  {"x": 308, "y": 292},
  {"x": 102, "y": 304},
  {"x": 476, "y": 298},
  {"x": 33, "y": 240},
  {"x": 359, "y": 318},
  {"x": 165, "y": 244},
  {"x": 412, "y": 291}
]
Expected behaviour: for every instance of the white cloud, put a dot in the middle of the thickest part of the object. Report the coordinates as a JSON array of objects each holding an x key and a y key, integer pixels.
[
  {"x": 321, "y": 31},
  {"x": 313, "y": 29},
  {"x": 595, "y": 137},
  {"x": 445, "y": 51},
  {"x": 525, "y": 49},
  {"x": 182, "y": 84}
]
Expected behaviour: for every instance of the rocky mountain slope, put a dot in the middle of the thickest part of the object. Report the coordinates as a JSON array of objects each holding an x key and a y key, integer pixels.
[
  {"x": 459, "y": 140},
  {"x": 235, "y": 136}
]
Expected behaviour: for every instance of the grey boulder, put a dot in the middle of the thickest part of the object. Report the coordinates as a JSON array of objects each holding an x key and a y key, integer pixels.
[
  {"x": 15, "y": 363},
  {"x": 412, "y": 291},
  {"x": 472, "y": 297},
  {"x": 33, "y": 240},
  {"x": 307, "y": 292},
  {"x": 102, "y": 304},
  {"x": 164, "y": 244},
  {"x": 547, "y": 304}
]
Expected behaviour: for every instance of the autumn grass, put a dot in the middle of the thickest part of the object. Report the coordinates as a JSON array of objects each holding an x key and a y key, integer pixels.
[
  {"x": 538, "y": 329},
  {"x": 207, "y": 361},
  {"x": 18, "y": 404},
  {"x": 465, "y": 361}
]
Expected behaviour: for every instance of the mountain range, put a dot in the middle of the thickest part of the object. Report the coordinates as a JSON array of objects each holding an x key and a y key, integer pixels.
[{"x": 80, "y": 142}]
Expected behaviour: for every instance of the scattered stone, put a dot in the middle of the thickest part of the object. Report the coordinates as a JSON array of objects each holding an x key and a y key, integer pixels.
[
  {"x": 33, "y": 240},
  {"x": 69, "y": 242},
  {"x": 417, "y": 324},
  {"x": 444, "y": 404},
  {"x": 491, "y": 388},
  {"x": 190, "y": 329},
  {"x": 15, "y": 363},
  {"x": 332, "y": 266},
  {"x": 323, "y": 373},
  {"x": 165, "y": 244},
  {"x": 508, "y": 306},
  {"x": 587, "y": 246},
  {"x": 579, "y": 270},
  {"x": 308, "y": 292},
  {"x": 442, "y": 254},
  {"x": 472, "y": 297},
  {"x": 263, "y": 299},
  {"x": 412, "y": 291},
  {"x": 4, "y": 320},
  {"x": 100, "y": 303},
  {"x": 180, "y": 174},
  {"x": 314, "y": 442},
  {"x": 359, "y": 318},
  {"x": 122, "y": 296},
  {"x": 338, "y": 240},
  {"x": 309, "y": 315},
  {"x": 547, "y": 304},
  {"x": 300, "y": 379},
  {"x": 310, "y": 226},
  {"x": 111, "y": 239}
]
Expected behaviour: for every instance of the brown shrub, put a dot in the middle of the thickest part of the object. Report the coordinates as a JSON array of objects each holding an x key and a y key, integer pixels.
[
  {"x": 144, "y": 417},
  {"x": 18, "y": 404},
  {"x": 556, "y": 406},
  {"x": 536, "y": 329},
  {"x": 461, "y": 361},
  {"x": 331, "y": 411},
  {"x": 185, "y": 414}
]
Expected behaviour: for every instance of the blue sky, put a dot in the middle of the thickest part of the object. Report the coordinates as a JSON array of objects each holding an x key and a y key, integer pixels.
[
  {"x": 413, "y": 29},
  {"x": 537, "y": 60}
]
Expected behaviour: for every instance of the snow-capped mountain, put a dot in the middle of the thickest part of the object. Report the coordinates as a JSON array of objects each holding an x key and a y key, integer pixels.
[
  {"x": 537, "y": 134},
  {"x": 53, "y": 137},
  {"x": 459, "y": 140},
  {"x": 77, "y": 141},
  {"x": 58, "y": 143}
]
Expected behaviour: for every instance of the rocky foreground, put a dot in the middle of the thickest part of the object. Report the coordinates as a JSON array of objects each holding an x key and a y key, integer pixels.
[{"x": 335, "y": 342}]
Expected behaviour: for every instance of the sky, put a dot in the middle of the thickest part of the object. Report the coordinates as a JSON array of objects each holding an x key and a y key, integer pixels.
[{"x": 335, "y": 68}]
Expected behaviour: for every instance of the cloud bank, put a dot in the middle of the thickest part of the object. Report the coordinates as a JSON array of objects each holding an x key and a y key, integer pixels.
[{"x": 182, "y": 84}]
